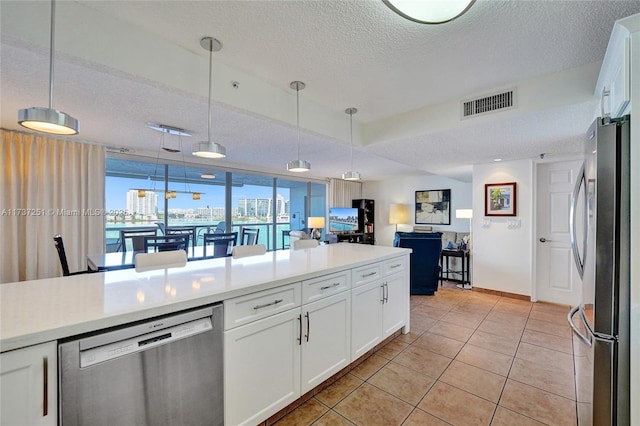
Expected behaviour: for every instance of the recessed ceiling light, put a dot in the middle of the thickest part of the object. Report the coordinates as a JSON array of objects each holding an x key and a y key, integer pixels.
[
  {"x": 497, "y": 159},
  {"x": 207, "y": 176}
]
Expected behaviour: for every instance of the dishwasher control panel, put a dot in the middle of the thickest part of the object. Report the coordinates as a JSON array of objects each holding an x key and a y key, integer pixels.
[{"x": 95, "y": 355}]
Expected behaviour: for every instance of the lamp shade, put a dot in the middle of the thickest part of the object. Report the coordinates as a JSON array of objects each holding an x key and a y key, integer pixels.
[
  {"x": 464, "y": 213},
  {"x": 398, "y": 214},
  {"x": 316, "y": 222}
]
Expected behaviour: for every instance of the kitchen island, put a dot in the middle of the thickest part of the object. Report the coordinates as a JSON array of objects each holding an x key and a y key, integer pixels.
[{"x": 371, "y": 280}]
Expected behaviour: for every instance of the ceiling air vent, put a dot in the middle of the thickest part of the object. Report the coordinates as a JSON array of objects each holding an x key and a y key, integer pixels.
[{"x": 491, "y": 103}]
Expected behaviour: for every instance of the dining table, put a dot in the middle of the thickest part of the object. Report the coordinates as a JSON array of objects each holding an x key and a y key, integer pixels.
[{"x": 114, "y": 261}]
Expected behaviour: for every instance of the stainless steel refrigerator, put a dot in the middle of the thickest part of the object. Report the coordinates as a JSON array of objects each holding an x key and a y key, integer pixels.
[{"x": 600, "y": 222}]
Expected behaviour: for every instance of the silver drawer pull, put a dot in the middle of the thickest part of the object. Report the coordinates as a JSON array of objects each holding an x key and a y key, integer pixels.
[
  {"x": 275, "y": 302},
  {"x": 369, "y": 274},
  {"x": 396, "y": 266},
  {"x": 329, "y": 286}
]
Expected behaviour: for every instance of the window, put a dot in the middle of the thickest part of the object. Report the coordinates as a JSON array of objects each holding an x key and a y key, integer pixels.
[{"x": 149, "y": 195}]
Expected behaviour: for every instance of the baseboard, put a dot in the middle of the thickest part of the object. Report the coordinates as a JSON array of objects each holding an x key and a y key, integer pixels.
[{"x": 502, "y": 293}]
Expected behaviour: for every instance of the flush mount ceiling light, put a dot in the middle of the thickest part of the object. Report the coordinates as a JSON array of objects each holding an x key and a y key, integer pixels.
[
  {"x": 351, "y": 175},
  {"x": 298, "y": 165},
  {"x": 209, "y": 149},
  {"x": 49, "y": 120},
  {"x": 429, "y": 11}
]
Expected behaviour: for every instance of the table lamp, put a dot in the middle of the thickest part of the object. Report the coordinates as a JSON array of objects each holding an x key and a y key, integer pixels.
[
  {"x": 316, "y": 223},
  {"x": 398, "y": 214}
]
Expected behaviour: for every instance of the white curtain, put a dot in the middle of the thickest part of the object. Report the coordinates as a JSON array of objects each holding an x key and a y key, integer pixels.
[
  {"x": 49, "y": 186},
  {"x": 341, "y": 192}
]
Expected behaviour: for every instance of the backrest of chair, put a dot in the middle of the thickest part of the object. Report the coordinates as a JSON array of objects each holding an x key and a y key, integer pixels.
[
  {"x": 249, "y": 236},
  {"x": 244, "y": 251},
  {"x": 136, "y": 237},
  {"x": 57, "y": 240},
  {"x": 223, "y": 243},
  {"x": 302, "y": 244},
  {"x": 220, "y": 228},
  {"x": 160, "y": 260},
  {"x": 189, "y": 231},
  {"x": 166, "y": 243}
]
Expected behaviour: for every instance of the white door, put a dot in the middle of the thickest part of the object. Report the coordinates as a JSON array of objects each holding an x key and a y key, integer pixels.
[
  {"x": 393, "y": 309},
  {"x": 366, "y": 318},
  {"x": 557, "y": 279}
]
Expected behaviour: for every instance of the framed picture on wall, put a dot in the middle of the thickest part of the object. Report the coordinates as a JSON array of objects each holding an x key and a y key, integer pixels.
[
  {"x": 500, "y": 199},
  {"x": 433, "y": 207}
]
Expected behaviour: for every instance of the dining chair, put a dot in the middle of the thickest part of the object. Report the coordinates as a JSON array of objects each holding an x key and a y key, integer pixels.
[
  {"x": 302, "y": 244},
  {"x": 166, "y": 243},
  {"x": 136, "y": 237},
  {"x": 57, "y": 241},
  {"x": 190, "y": 231},
  {"x": 223, "y": 243},
  {"x": 249, "y": 236},
  {"x": 251, "y": 250}
]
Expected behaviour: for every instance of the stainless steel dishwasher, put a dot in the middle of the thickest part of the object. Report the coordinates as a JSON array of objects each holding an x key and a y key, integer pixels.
[{"x": 165, "y": 371}]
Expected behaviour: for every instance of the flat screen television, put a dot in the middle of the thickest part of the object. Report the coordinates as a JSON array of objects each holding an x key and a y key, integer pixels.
[{"x": 342, "y": 219}]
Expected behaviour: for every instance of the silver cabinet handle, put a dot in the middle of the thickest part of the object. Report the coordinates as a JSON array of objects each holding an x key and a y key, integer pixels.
[
  {"x": 396, "y": 266},
  {"x": 308, "y": 329},
  {"x": 386, "y": 292},
  {"x": 329, "y": 286},
  {"x": 368, "y": 275},
  {"x": 275, "y": 302},
  {"x": 382, "y": 287},
  {"x": 300, "y": 332},
  {"x": 45, "y": 384}
]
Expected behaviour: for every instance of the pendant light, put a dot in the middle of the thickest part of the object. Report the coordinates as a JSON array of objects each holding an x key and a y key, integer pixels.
[
  {"x": 298, "y": 165},
  {"x": 49, "y": 120},
  {"x": 209, "y": 149},
  {"x": 351, "y": 175},
  {"x": 430, "y": 11}
]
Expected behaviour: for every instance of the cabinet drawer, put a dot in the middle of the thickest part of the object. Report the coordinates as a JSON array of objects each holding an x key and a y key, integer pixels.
[
  {"x": 365, "y": 274},
  {"x": 393, "y": 266},
  {"x": 327, "y": 285},
  {"x": 245, "y": 309}
]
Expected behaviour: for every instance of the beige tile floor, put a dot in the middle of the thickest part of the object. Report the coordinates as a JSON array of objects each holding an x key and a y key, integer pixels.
[{"x": 470, "y": 359}]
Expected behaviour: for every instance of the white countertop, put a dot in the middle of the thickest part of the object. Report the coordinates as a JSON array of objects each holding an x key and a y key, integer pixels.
[{"x": 38, "y": 311}]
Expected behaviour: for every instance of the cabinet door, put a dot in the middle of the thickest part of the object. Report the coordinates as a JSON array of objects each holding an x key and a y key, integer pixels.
[
  {"x": 393, "y": 309},
  {"x": 29, "y": 385},
  {"x": 261, "y": 368},
  {"x": 325, "y": 339},
  {"x": 366, "y": 318}
]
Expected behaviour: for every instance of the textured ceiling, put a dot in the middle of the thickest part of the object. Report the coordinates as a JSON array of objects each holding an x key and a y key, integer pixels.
[{"x": 123, "y": 64}]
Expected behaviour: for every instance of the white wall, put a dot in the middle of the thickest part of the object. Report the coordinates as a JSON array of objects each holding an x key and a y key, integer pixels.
[
  {"x": 503, "y": 252},
  {"x": 402, "y": 190}
]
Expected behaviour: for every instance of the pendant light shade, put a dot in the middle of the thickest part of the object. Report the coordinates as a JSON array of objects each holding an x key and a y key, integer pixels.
[
  {"x": 429, "y": 11},
  {"x": 49, "y": 120},
  {"x": 351, "y": 175},
  {"x": 298, "y": 165},
  {"x": 209, "y": 149}
]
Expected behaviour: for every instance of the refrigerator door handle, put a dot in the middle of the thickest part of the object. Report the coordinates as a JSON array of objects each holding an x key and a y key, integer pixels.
[
  {"x": 580, "y": 183},
  {"x": 586, "y": 340}
]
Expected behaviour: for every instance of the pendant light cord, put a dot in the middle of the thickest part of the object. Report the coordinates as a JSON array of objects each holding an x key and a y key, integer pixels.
[
  {"x": 298, "y": 116},
  {"x": 53, "y": 26},
  {"x": 351, "y": 139},
  {"x": 210, "y": 74}
]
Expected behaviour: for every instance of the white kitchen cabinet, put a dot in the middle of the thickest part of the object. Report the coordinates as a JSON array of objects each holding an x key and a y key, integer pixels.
[
  {"x": 326, "y": 339},
  {"x": 393, "y": 308},
  {"x": 261, "y": 368},
  {"x": 28, "y": 384},
  {"x": 614, "y": 80},
  {"x": 272, "y": 360},
  {"x": 366, "y": 318},
  {"x": 379, "y": 306}
]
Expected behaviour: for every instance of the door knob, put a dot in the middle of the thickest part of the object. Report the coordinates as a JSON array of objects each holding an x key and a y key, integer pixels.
[{"x": 544, "y": 240}]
